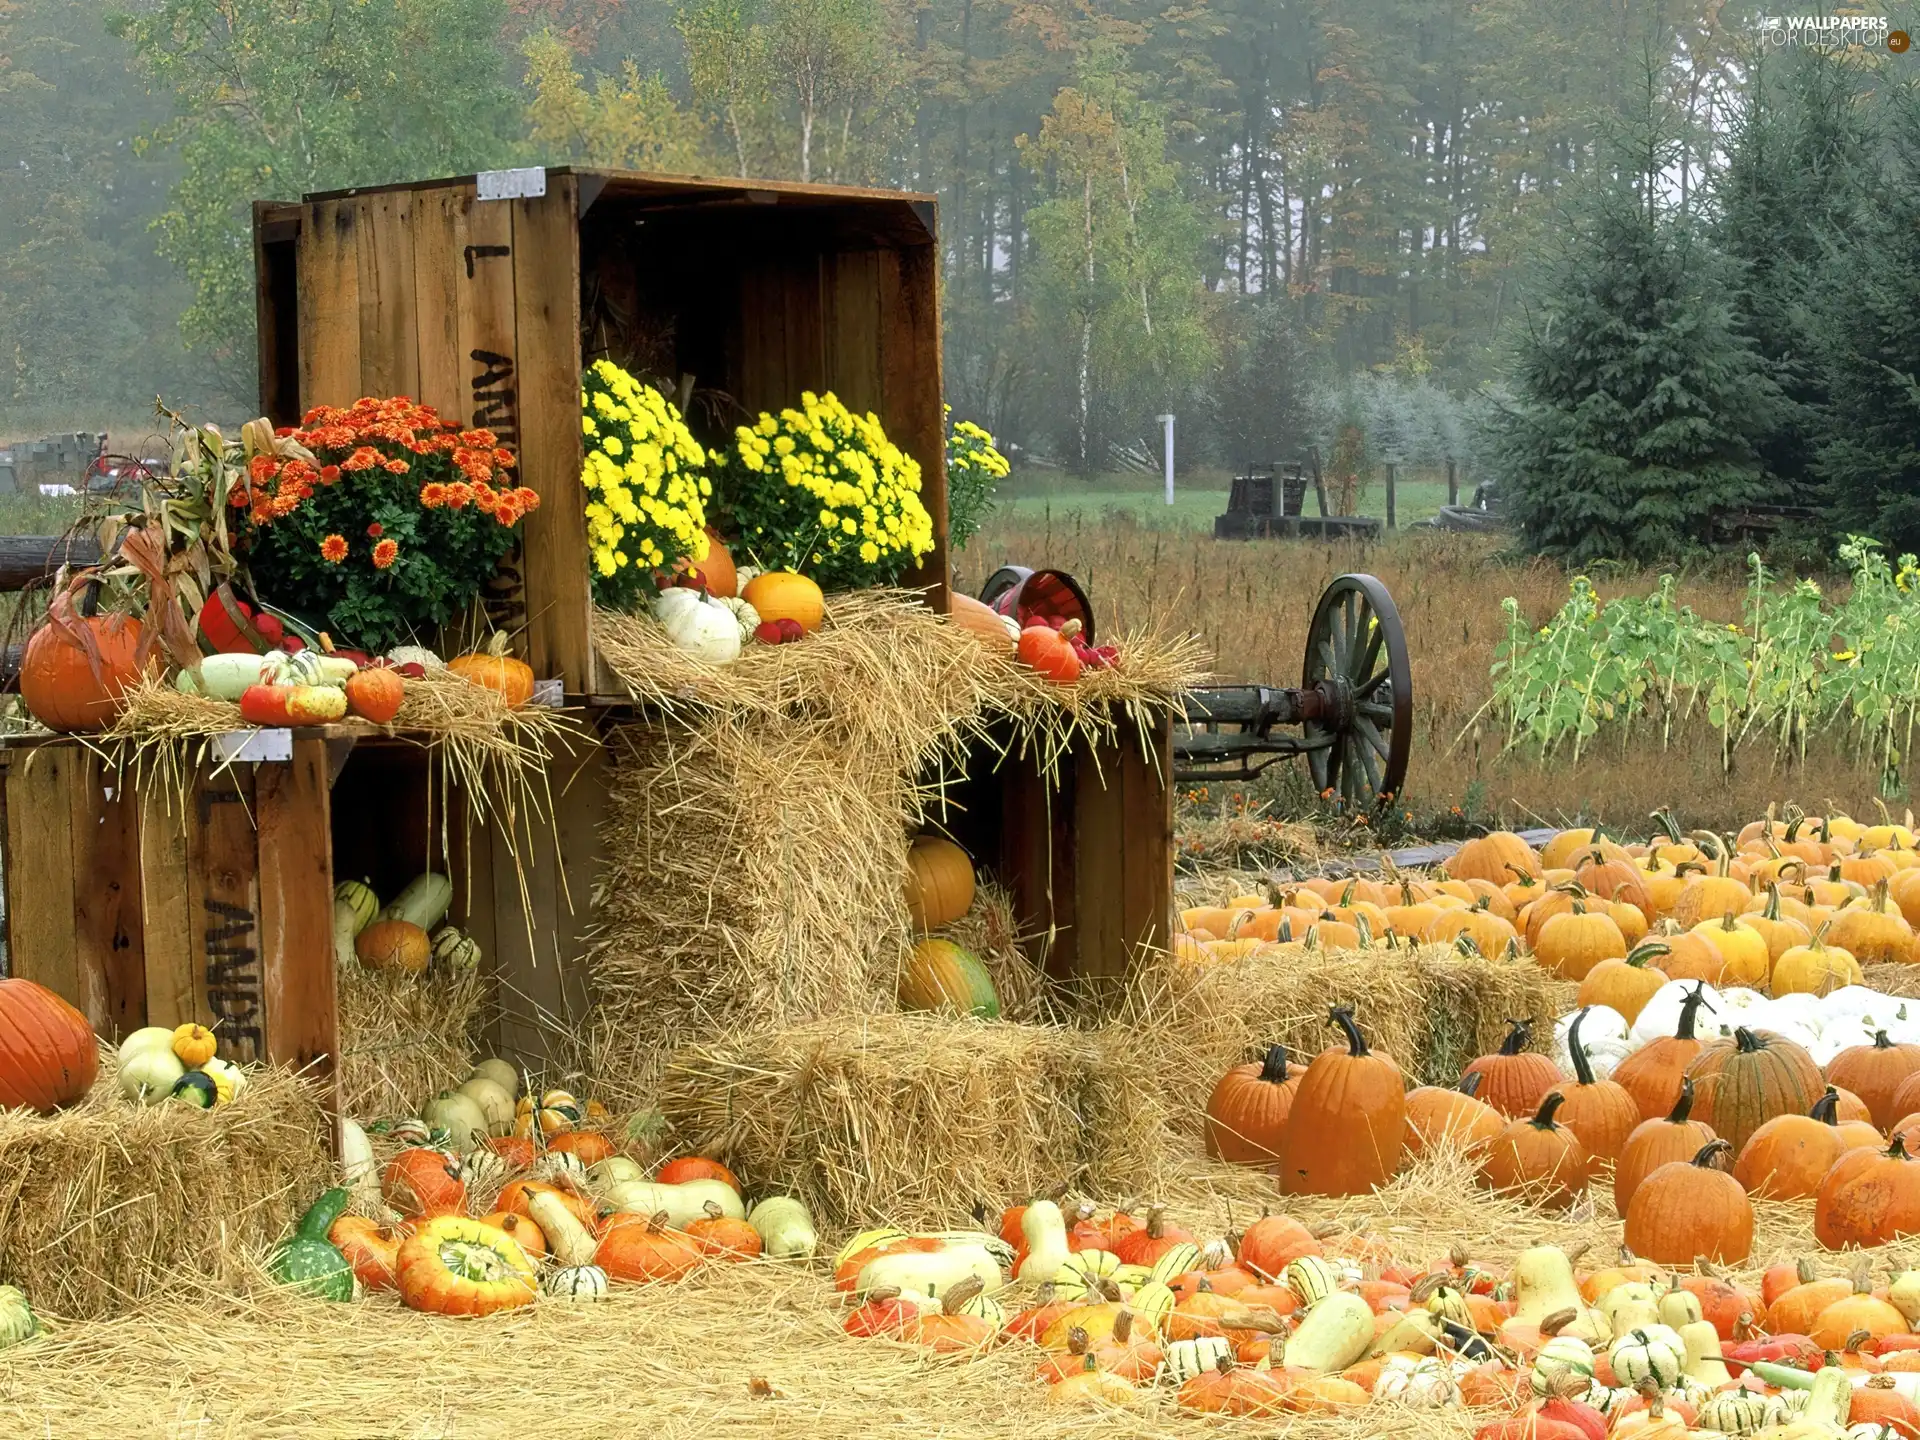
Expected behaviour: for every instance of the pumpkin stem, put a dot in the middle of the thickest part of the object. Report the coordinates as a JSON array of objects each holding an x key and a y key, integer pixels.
[
  {"x": 1518, "y": 1033},
  {"x": 1880, "y": 1041},
  {"x": 1714, "y": 1155},
  {"x": 1582, "y": 1067},
  {"x": 960, "y": 1294},
  {"x": 1543, "y": 1118},
  {"x": 1745, "y": 1041},
  {"x": 1224, "y": 1364},
  {"x": 1077, "y": 1342},
  {"x": 1645, "y": 951},
  {"x": 1273, "y": 1070},
  {"x": 1553, "y": 1324},
  {"x": 1690, "y": 1007},
  {"x": 1897, "y": 1150},
  {"x": 1682, "y": 1107},
  {"x": 1470, "y": 1084},
  {"x": 1827, "y": 1108},
  {"x": 1342, "y": 1016},
  {"x": 1122, "y": 1327}
]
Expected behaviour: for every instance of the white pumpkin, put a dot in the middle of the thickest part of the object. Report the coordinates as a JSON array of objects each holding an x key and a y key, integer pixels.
[
  {"x": 1839, "y": 1035},
  {"x": 614, "y": 1170},
  {"x": 459, "y": 1115},
  {"x": 1604, "y": 1035},
  {"x": 495, "y": 1103},
  {"x": 149, "y": 1075},
  {"x": 1740, "y": 1412},
  {"x": 1804, "y": 1010},
  {"x": 703, "y": 628},
  {"x": 500, "y": 1072},
  {"x": 1865, "y": 1007},
  {"x": 1184, "y": 1359},
  {"x": 1661, "y": 1014},
  {"x": 575, "y": 1284},
  {"x": 1653, "y": 1351},
  {"x": 744, "y": 615},
  {"x": 1740, "y": 1000},
  {"x": 1560, "y": 1357}
]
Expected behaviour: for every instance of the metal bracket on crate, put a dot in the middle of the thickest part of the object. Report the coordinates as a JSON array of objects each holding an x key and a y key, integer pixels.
[
  {"x": 254, "y": 745},
  {"x": 550, "y": 693}
]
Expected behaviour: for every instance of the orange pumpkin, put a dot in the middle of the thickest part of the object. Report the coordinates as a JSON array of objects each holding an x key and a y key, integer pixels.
[
  {"x": 1875, "y": 1073},
  {"x": 715, "y": 573},
  {"x": 697, "y": 1167},
  {"x": 1514, "y": 1079},
  {"x": 1627, "y": 983},
  {"x": 494, "y": 669},
  {"x": 1347, "y": 1129},
  {"x": 456, "y": 1266},
  {"x": 1233, "y": 1389},
  {"x": 78, "y": 668},
  {"x": 1572, "y": 945},
  {"x": 939, "y": 883},
  {"x": 590, "y": 1145},
  {"x": 424, "y": 1182},
  {"x": 1274, "y": 1242},
  {"x": 1689, "y": 1208},
  {"x": 1742, "y": 1082},
  {"x": 950, "y": 1330},
  {"x": 48, "y": 1056},
  {"x": 1247, "y": 1111},
  {"x": 1538, "y": 1157},
  {"x": 394, "y": 945},
  {"x": 1437, "y": 1115},
  {"x": 1600, "y": 1112},
  {"x": 1653, "y": 1143},
  {"x": 642, "y": 1250},
  {"x": 1652, "y": 1074},
  {"x": 1498, "y": 856},
  {"x": 1788, "y": 1157},
  {"x": 376, "y": 694},
  {"x": 721, "y": 1237},
  {"x": 1860, "y": 1310},
  {"x": 1869, "y": 1198},
  {"x": 783, "y": 595},
  {"x": 523, "y": 1230},
  {"x": 372, "y": 1249}
]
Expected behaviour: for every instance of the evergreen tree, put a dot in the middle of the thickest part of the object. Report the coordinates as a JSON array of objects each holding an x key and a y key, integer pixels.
[
  {"x": 1260, "y": 394},
  {"x": 1636, "y": 403},
  {"x": 1865, "y": 317},
  {"x": 1801, "y": 155}
]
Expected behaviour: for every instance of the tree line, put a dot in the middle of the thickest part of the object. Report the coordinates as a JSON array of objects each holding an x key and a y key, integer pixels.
[{"x": 1262, "y": 215}]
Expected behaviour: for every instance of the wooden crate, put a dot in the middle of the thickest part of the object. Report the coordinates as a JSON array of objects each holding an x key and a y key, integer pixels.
[
  {"x": 476, "y": 307},
  {"x": 147, "y": 907},
  {"x": 490, "y": 309}
]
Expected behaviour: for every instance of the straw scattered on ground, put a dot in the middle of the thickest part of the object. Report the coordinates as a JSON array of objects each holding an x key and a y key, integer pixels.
[
  {"x": 404, "y": 1038},
  {"x": 109, "y": 1201},
  {"x": 750, "y": 1350}
]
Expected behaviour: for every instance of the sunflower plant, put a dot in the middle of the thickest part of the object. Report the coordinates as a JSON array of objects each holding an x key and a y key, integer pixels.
[
  {"x": 646, "y": 484},
  {"x": 380, "y": 522},
  {"x": 822, "y": 491}
]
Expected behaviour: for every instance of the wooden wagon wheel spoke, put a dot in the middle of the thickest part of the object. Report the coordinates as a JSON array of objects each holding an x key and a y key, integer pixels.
[{"x": 1357, "y": 662}]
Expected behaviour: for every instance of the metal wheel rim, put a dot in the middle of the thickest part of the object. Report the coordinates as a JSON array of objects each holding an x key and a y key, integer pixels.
[{"x": 1356, "y": 634}]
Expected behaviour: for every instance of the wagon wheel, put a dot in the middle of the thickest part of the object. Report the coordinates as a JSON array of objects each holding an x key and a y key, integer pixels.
[{"x": 1357, "y": 663}]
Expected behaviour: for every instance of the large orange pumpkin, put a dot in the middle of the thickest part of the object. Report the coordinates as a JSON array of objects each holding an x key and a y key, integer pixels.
[
  {"x": 1689, "y": 1208},
  {"x": 1741, "y": 1083},
  {"x": 1653, "y": 1143},
  {"x": 424, "y": 1182},
  {"x": 1248, "y": 1110},
  {"x": 1499, "y": 856},
  {"x": 48, "y": 1057},
  {"x": 1347, "y": 1129},
  {"x": 1600, "y": 1112},
  {"x": 1439, "y": 1116},
  {"x": 1875, "y": 1073},
  {"x": 639, "y": 1249},
  {"x": 1539, "y": 1157},
  {"x": 65, "y": 687},
  {"x": 1788, "y": 1157},
  {"x": 1869, "y": 1198},
  {"x": 1514, "y": 1079},
  {"x": 939, "y": 883},
  {"x": 1652, "y": 1074}
]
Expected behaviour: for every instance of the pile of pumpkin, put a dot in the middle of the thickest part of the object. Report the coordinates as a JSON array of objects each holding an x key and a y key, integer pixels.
[
  {"x": 1689, "y": 1129},
  {"x": 1792, "y": 907},
  {"x": 465, "y": 1221},
  {"x": 1282, "y": 1319},
  {"x": 404, "y": 936},
  {"x": 155, "y": 1064},
  {"x": 939, "y": 974}
]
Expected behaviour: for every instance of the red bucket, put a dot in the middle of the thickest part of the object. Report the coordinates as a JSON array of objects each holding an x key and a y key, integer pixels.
[{"x": 1038, "y": 597}]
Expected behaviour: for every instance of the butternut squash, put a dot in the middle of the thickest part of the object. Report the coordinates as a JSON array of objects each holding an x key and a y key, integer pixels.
[{"x": 1334, "y": 1334}]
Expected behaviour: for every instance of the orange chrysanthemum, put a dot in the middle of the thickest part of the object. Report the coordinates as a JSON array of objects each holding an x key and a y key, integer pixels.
[
  {"x": 333, "y": 549},
  {"x": 385, "y": 553},
  {"x": 459, "y": 494},
  {"x": 433, "y": 495},
  {"x": 397, "y": 467}
]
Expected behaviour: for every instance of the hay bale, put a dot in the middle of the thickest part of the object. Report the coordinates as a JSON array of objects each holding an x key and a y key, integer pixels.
[
  {"x": 991, "y": 932},
  {"x": 108, "y": 1202},
  {"x": 757, "y": 833},
  {"x": 1431, "y": 1008},
  {"x": 404, "y": 1038},
  {"x": 908, "y": 1119}
]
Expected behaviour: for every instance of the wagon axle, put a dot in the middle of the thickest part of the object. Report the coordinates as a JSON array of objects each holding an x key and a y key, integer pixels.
[{"x": 1354, "y": 706}]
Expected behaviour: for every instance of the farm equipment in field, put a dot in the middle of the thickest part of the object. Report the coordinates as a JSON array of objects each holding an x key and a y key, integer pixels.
[
  {"x": 1354, "y": 706},
  {"x": 1269, "y": 503}
]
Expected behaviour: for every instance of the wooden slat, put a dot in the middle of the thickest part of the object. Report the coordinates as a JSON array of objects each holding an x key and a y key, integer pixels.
[
  {"x": 167, "y": 909},
  {"x": 276, "y": 309},
  {"x": 439, "y": 229},
  {"x": 1099, "y": 841},
  {"x": 40, "y": 874},
  {"x": 526, "y": 929},
  {"x": 389, "y": 342},
  {"x": 296, "y": 913},
  {"x": 490, "y": 380},
  {"x": 109, "y": 944},
  {"x": 911, "y": 399},
  {"x": 546, "y": 277},
  {"x": 851, "y": 305},
  {"x": 470, "y": 866},
  {"x": 1146, "y": 822},
  {"x": 224, "y": 856},
  {"x": 581, "y": 790},
  {"x": 1036, "y": 861},
  {"x": 329, "y": 305}
]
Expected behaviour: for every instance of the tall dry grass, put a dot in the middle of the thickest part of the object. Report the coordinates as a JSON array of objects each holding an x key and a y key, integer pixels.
[{"x": 1252, "y": 602}]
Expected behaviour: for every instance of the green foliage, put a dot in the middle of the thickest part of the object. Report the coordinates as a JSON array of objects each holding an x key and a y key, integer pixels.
[
  {"x": 1260, "y": 398},
  {"x": 628, "y": 122},
  {"x": 277, "y": 98},
  {"x": 1636, "y": 402},
  {"x": 1799, "y": 665},
  {"x": 1865, "y": 308}
]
